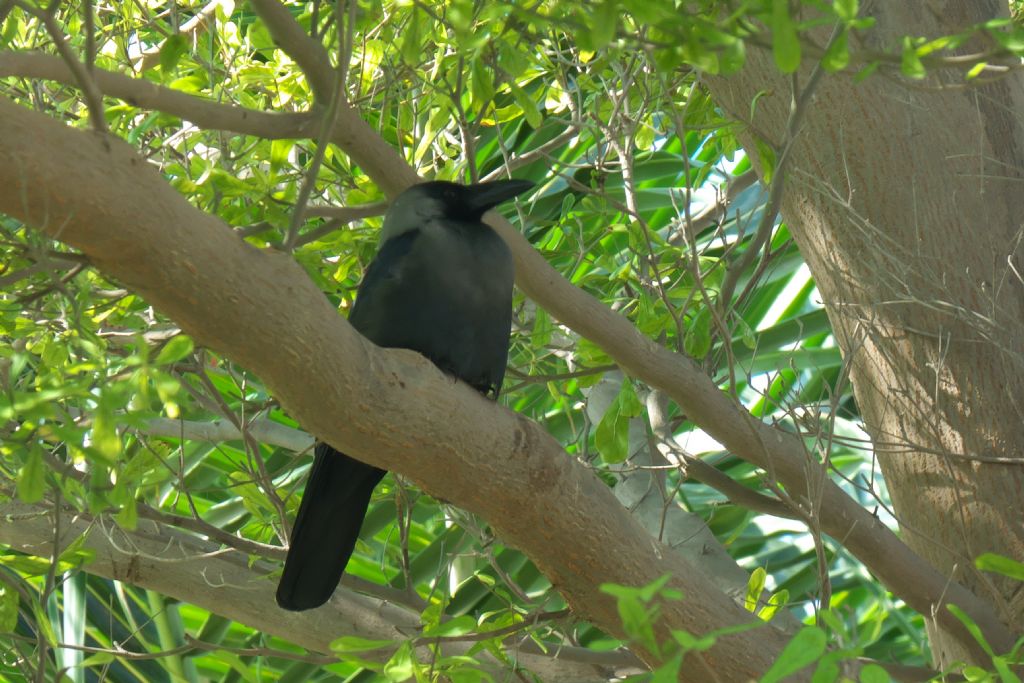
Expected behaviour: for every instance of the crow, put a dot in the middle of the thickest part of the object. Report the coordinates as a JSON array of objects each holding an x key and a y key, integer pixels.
[{"x": 440, "y": 284}]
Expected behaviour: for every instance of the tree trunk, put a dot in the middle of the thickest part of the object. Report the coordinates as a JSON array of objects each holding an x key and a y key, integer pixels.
[{"x": 906, "y": 199}]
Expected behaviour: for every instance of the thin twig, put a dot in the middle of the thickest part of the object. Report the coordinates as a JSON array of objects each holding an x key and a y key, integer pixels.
[
  {"x": 337, "y": 95},
  {"x": 92, "y": 94}
]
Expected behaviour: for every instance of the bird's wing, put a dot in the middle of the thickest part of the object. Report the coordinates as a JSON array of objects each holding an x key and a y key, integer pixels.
[{"x": 382, "y": 277}]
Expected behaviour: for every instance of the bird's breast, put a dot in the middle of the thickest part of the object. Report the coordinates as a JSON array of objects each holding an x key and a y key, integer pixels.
[{"x": 471, "y": 260}]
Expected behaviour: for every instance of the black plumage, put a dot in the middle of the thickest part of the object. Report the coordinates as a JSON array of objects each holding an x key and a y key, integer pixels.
[{"x": 441, "y": 284}]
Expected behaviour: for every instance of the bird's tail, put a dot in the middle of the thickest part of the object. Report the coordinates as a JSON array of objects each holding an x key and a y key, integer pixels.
[{"x": 326, "y": 528}]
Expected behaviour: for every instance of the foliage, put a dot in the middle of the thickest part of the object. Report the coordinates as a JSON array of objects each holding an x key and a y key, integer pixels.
[{"x": 603, "y": 106}]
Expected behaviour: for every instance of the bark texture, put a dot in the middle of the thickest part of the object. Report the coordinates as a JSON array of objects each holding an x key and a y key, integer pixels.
[
  {"x": 391, "y": 408},
  {"x": 904, "y": 572},
  {"x": 907, "y": 202}
]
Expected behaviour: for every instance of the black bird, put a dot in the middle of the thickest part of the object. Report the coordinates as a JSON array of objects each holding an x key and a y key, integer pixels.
[{"x": 441, "y": 284}]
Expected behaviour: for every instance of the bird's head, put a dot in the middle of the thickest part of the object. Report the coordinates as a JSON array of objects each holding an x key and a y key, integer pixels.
[{"x": 440, "y": 199}]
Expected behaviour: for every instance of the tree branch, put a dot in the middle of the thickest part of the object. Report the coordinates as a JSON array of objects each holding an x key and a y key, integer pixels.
[
  {"x": 145, "y": 94},
  {"x": 263, "y": 430},
  {"x": 150, "y": 57},
  {"x": 82, "y": 75},
  {"x": 902, "y": 570},
  {"x": 221, "y": 580},
  {"x": 895, "y": 564},
  {"x": 390, "y": 408}
]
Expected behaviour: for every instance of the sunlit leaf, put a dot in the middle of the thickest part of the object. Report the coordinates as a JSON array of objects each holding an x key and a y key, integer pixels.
[
  {"x": 911, "y": 64},
  {"x": 804, "y": 649},
  {"x": 32, "y": 479},
  {"x": 171, "y": 52},
  {"x": 785, "y": 41},
  {"x": 176, "y": 349}
]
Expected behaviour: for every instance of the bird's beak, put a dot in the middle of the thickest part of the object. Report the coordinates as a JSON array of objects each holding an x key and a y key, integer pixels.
[{"x": 485, "y": 196}]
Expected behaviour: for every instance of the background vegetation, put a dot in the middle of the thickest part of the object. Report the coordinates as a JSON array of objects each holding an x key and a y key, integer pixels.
[{"x": 121, "y": 437}]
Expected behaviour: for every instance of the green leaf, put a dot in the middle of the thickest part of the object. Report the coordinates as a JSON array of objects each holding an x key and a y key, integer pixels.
[
  {"x": 936, "y": 45},
  {"x": 911, "y": 65},
  {"x": 527, "y": 105},
  {"x": 412, "y": 38},
  {"x": 54, "y": 355},
  {"x": 460, "y": 15},
  {"x": 98, "y": 659},
  {"x": 167, "y": 387},
  {"x": 459, "y": 626},
  {"x": 30, "y": 565},
  {"x": 279, "y": 151},
  {"x": 104, "y": 437},
  {"x": 690, "y": 642},
  {"x": 647, "y": 12},
  {"x": 1006, "y": 566},
  {"x": 755, "y": 586},
  {"x": 733, "y": 56},
  {"x": 804, "y": 649},
  {"x": 828, "y": 669},
  {"x": 612, "y": 435},
  {"x": 747, "y": 335},
  {"x": 846, "y": 9},
  {"x": 767, "y": 155},
  {"x": 654, "y": 588},
  {"x": 1005, "y": 666},
  {"x": 975, "y": 70},
  {"x": 512, "y": 61},
  {"x": 402, "y": 665},
  {"x": 833, "y": 621},
  {"x": 629, "y": 403},
  {"x": 866, "y": 72},
  {"x": 1009, "y": 38},
  {"x": 872, "y": 673},
  {"x": 11, "y": 26},
  {"x": 32, "y": 479},
  {"x": 638, "y": 623},
  {"x": 76, "y": 554},
  {"x": 128, "y": 516},
  {"x": 469, "y": 675},
  {"x": 837, "y": 56},
  {"x": 8, "y": 608},
  {"x": 775, "y": 603},
  {"x": 972, "y": 628},
  {"x": 603, "y": 22},
  {"x": 976, "y": 674},
  {"x": 669, "y": 671},
  {"x": 785, "y": 41},
  {"x": 481, "y": 83},
  {"x": 619, "y": 591},
  {"x": 177, "y": 348},
  {"x": 171, "y": 52},
  {"x": 347, "y": 644},
  {"x": 697, "y": 342}
]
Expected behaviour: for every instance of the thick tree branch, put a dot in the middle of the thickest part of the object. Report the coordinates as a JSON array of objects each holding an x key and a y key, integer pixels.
[
  {"x": 148, "y": 95},
  {"x": 351, "y": 132},
  {"x": 781, "y": 454},
  {"x": 391, "y": 408}
]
